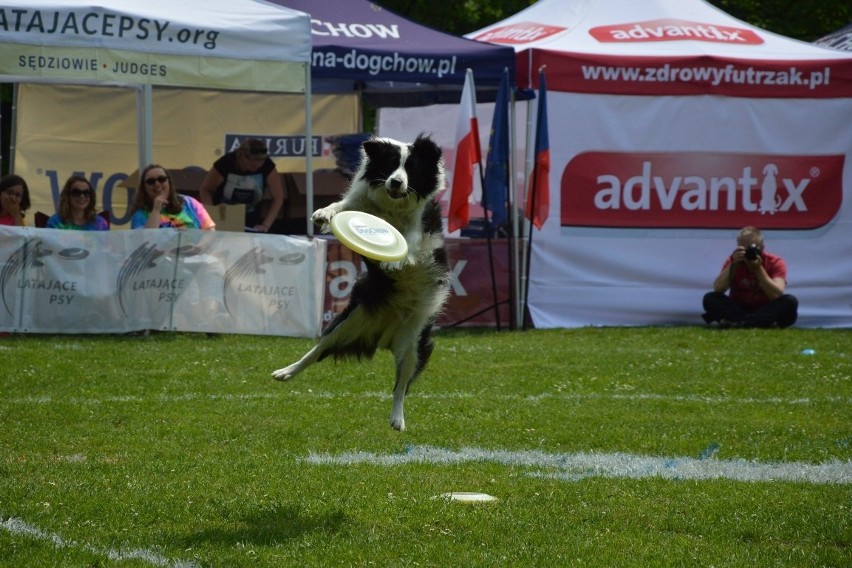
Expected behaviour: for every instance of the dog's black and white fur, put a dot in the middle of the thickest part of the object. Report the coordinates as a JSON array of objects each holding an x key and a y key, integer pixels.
[{"x": 392, "y": 305}]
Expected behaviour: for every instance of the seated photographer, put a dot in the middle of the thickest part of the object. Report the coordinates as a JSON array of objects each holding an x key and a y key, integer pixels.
[{"x": 756, "y": 280}]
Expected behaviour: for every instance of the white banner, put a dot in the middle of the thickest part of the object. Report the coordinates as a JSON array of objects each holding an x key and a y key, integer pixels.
[
  {"x": 55, "y": 281},
  {"x": 221, "y": 44},
  {"x": 648, "y": 194}
]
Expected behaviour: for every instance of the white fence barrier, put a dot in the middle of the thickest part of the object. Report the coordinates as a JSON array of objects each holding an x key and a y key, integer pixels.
[{"x": 54, "y": 281}]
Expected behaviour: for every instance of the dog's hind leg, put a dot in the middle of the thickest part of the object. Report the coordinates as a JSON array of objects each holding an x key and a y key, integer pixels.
[
  {"x": 307, "y": 360},
  {"x": 406, "y": 365}
]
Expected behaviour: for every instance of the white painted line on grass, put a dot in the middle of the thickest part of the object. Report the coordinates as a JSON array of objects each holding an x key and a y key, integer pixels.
[
  {"x": 575, "y": 466},
  {"x": 309, "y": 393},
  {"x": 20, "y": 527}
]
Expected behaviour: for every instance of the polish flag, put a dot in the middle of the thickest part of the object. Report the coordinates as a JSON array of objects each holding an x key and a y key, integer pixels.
[{"x": 468, "y": 155}]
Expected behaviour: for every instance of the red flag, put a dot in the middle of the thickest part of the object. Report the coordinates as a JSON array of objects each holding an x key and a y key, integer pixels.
[
  {"x": 468, "y": 155},
  {"x": 538, "y": 195}
]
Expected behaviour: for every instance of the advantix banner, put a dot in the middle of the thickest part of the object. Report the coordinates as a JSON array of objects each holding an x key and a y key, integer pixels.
[{"x": 672, "y": 125}]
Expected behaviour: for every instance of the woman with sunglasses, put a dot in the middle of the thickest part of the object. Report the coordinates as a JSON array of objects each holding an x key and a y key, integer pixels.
[
  {"x": 77, "y": 208},
  {"x": 14, "y": 200},
  {"x": 158, "y": 204}
]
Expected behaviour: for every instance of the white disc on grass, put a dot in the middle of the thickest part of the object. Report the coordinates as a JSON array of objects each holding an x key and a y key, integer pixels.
[{"x": 468, "y": 497}]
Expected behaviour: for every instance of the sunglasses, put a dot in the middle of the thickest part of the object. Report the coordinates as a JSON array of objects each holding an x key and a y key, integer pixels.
[
  {"x": 81, "y": 193},
  {"x": 153, "y": 181}
]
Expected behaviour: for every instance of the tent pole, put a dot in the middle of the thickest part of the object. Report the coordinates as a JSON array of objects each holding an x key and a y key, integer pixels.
[
  {"x": 144, "y": 125},
  {"x": 488, "y": 238},
  {"x": 514, "y": 261},
  {"x": 13, "y": 133},
  {"x": 526, "y": 229},
  {"x": 309, "y": 151}
]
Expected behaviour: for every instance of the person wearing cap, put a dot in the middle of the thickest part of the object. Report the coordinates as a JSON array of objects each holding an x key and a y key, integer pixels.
[{"x": 246, "y": 175}]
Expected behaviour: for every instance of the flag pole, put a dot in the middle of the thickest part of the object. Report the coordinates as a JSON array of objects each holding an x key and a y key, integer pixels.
[
  {"x": 496, "y": 301},
  {"x": 459, "y": 213},
  {"x": 513, "y": 260},
  {"x": 529, "y": 250},
  {"x": 533, "y": 198},
  {"x": 485, "y": 205},
  {"x": 524, "y": 227}
]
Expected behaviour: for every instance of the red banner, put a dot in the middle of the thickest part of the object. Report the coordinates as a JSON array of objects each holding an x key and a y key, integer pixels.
[
  {"x": 690, "y": 75},
  {"x": 701, "y": 190},
  {"x": 471, "y": 302}
]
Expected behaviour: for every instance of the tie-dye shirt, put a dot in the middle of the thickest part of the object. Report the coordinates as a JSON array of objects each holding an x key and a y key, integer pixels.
[
  {"x": 192, "y": 215},
  {"x": 96, "y": 224}
]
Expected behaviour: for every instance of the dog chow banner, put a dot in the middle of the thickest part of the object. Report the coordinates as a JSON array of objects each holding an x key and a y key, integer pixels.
[{"x": 121, "y": 281}]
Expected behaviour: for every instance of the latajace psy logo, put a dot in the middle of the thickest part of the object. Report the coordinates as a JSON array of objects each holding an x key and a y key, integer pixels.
[
  {"x": 24, "y": 267},
  {"x": 245, "y": 277}
]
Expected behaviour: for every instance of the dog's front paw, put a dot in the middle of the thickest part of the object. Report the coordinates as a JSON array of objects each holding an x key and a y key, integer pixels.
[
  {"x": 323, "y": 216},
  {"x": 286, "y": 373}
]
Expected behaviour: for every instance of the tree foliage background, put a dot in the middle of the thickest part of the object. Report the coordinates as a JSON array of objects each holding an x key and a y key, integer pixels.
[{"x": 806, "y": 20}]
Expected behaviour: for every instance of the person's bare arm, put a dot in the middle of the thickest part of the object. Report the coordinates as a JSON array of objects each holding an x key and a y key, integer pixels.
[
  {"x": 276, "y": 193},
  {"x": 212, "y": 180},
  {"x": 153, "y": 221},
  {"x": 723, "y": 281},
  {"x": 772, "y": 287}
]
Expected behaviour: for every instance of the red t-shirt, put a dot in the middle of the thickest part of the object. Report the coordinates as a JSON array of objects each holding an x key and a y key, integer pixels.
[{"x": 745, "y": 289}]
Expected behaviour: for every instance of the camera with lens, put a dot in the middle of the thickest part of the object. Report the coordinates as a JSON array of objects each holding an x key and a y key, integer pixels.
[{"x": 752, "y": 252}]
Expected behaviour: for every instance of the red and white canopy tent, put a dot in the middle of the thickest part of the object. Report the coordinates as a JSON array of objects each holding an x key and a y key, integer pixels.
[{"x": 672, "y": 125}]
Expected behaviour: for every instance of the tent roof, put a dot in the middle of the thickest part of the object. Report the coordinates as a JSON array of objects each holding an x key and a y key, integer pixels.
[
  {"x": 652, "y": 32},
  {"x": 201, "y": 43},
  {"x": 359, "y": 45},
  {"x": 839, "y": 39}
]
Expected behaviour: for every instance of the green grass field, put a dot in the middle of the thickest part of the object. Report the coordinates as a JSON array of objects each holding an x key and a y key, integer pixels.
[{"x": 604, "y": 447}]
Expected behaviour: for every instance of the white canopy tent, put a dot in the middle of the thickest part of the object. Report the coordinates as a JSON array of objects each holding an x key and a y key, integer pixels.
[
  {"x": 672, "y": 125},
  {"x": 242, "y": 45}
]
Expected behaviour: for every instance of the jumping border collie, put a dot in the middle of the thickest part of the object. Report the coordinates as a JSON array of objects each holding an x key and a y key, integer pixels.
[{"x": 392, "y": 305}]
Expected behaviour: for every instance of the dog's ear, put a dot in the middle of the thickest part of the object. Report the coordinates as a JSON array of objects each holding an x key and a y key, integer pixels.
[
  {"x": 372, "y": 148},
  {"x": 426, "y": 148}
]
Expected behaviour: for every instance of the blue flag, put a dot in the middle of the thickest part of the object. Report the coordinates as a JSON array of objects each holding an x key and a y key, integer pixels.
[{"x": 495, "y": 187}]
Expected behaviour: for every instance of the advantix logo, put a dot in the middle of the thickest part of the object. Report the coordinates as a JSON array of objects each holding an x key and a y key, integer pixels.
[
  {"x": 674, "y": 30},
  {"x": 520, "y": 32},
  {"x": 697, "y": 189}
]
